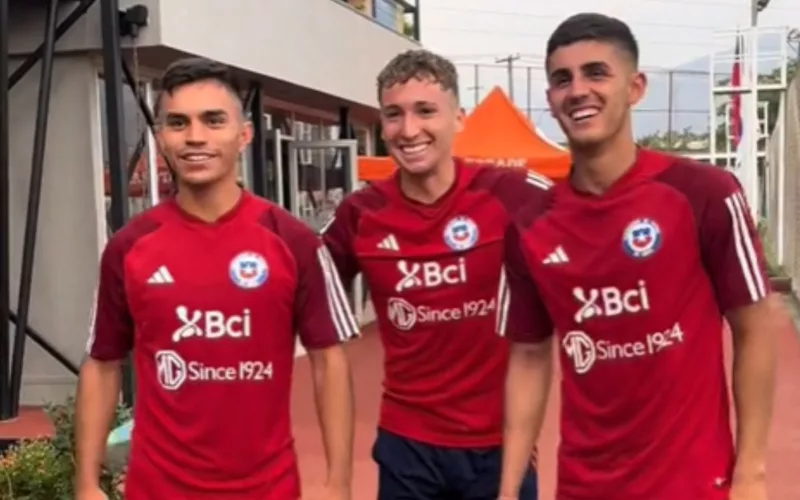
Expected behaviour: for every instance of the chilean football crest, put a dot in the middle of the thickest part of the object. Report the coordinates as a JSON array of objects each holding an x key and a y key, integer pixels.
[
  {"x": 248, "y": 270},
  {"x": 461, "y": 233},
  {"x": 642, "y": 238}
]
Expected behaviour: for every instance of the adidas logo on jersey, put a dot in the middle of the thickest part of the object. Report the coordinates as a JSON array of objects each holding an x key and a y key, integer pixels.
[
  {"x": 557, "y": 256},
  {"x": 162, "y": 276},
  {"x": 389, "y": 243}
]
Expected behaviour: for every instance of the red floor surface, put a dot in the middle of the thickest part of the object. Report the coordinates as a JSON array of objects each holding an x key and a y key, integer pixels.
[{"x": 367, "y": 357}]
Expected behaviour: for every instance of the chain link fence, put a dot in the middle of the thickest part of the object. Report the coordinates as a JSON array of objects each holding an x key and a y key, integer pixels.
[{"x": 675, "y": 110}]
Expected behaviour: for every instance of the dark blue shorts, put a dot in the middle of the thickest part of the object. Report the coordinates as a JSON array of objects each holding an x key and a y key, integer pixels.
[{"x": 410, "y": 470}]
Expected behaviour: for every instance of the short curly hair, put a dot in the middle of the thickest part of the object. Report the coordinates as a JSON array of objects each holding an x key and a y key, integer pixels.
[{"x": 420, "y": 64}]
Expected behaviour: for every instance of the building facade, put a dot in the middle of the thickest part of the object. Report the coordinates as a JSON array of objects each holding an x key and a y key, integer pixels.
[{"x": 315, "y": 62}]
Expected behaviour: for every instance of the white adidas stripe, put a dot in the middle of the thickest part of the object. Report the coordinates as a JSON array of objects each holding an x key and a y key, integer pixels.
[
  {"x": 538, "y": 180},
  {"x": 344, "y": 320},
  {"x": 503, "y": 300},
  {"x": 327, "y": 225},
  {"x": 744, "y": 247}
]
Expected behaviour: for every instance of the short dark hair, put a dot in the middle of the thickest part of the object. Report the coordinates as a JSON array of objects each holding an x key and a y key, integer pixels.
[
  {"x": 595, "y": 27},
  {"x": 419, "y": 63},
  {"x": 195, "y": 69}
]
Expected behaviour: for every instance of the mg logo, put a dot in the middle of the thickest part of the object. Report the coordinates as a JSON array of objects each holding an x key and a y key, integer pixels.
[
  {"x": 210, "y": 324},
  {"x": 610, "y": 301},
  {"x": 170, "y": 370},
  {"x": 401, "y": 314},
  {"x": 430, "y": 274},
  {"x": 581, "y": 349}
]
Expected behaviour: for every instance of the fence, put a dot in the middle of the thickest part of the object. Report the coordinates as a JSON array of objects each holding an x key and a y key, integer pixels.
[
  {"x": 676, "y": 105},
  {"x": 789, "y": 247}
]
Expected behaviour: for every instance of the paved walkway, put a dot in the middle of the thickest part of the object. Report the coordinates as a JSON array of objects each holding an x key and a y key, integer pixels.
[{"x": 367, "y": 358}]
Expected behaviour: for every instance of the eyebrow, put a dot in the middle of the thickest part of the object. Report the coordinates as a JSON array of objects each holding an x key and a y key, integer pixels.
[
  {"x": 584, "y": 67},
  {"x": 205, "y": 114}
]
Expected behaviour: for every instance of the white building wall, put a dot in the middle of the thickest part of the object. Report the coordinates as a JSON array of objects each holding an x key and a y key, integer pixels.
[{"x": 71, "y": 226}]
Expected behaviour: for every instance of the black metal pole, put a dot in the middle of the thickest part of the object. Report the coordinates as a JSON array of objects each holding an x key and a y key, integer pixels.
[
  {"x": 61, "y": 29},
  {"x": 258, "y": 147},
  {"x": 143, "y": 107},
  {"x": 48, "y": 347},
  {"x": 115, "y": 138},
  {"x": 5, "y": 231},
  {"x": 140, "y": 99},
  {"x": 34, "y": 199}
]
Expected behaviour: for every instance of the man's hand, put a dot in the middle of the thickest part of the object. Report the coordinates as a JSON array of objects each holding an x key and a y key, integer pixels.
[
  {"x": 329, "y": 492},
  {"x": 749, "y": 489},
  {"x": 93, "y": 493}
]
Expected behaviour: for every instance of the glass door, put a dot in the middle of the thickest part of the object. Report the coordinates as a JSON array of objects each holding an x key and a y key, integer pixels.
[{"x": 320, "y": 175}]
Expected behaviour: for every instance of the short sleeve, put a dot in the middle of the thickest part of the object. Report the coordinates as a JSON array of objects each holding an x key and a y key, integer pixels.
[
  {"x": 338, "y": 235},
  {"x": 732, "y": 252},
  {"x": 322, "y": 310},
  {"x": 521, "y": 315},
  {"x": 111, "y": 330}
]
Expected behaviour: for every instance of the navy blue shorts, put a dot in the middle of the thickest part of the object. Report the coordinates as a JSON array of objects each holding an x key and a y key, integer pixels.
[{"x": 410, "y": 470}]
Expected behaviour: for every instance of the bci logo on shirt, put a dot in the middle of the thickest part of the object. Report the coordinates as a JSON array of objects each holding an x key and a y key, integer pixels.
[
  {"x": 430, "y": 274},
  {"x": 610, "y": 301},
  {"x": 210, "y": 324}
]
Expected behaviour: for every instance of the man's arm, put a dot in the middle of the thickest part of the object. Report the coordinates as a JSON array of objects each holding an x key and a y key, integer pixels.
[
  {"x": 338, "y": 234},
  {"x": 523, "y": 319},
  {"x": 734, "y": 259},
  {"x": 325, "y": 321},
  {"x": 754, "y": 329},
  {"x": 110, "y": 340}
]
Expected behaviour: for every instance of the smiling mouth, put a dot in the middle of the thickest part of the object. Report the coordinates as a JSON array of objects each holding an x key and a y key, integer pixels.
[
  {"x": 414, "y": 149},
  {"x": 582, "y": 114},
  {"x": 197, "y": 158}
]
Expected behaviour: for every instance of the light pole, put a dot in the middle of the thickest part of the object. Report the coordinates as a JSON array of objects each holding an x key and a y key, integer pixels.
[{"x": 757, "y": 6}]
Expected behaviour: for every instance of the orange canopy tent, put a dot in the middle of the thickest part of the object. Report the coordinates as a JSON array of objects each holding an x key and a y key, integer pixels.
[{"x": 495, "y": 133}]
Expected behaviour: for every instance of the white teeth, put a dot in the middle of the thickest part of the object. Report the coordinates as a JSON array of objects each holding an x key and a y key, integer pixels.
[
  {"x": 583, "y": 113},
  {"x": 414, "y": 149},
  {"x": 196, "y": 157}
]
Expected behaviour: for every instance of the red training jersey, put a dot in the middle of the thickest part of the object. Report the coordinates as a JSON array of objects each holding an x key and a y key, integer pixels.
[
  {"x": 434, "y": 277},
  {"x": 210, "y": 311},
  {"x": 636, "y": 282}
]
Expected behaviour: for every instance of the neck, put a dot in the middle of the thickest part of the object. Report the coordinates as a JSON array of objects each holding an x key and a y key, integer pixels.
[
  {"x": 596, "y": 169},
  {"x": 429, "y": 187},
  {"x": 208, "y": 203}
]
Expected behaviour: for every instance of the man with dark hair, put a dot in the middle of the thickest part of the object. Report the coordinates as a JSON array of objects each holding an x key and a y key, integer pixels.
[
  {"x": 428, "y": 241},
  {"x": 207, "y": 290},
  {"x": 636, "y": 265}
]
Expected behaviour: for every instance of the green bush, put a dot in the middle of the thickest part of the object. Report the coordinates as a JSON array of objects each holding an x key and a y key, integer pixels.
[{"x": 43, "y": 469}]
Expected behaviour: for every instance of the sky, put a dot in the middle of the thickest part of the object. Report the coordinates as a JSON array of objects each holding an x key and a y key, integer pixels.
[{"x": 671, "y": 33}]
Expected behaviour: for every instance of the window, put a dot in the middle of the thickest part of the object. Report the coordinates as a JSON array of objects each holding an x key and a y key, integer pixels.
[{"x": 386, "y": 13}]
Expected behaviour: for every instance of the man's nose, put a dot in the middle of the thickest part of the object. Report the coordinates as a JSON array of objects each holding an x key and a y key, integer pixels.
[
  {"x": 411, "y": 127},
  {"x": 579, "y": 88},
  {"x": 196, "y": 134}
]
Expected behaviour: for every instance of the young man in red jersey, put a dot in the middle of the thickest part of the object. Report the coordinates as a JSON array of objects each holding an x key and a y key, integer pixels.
[
  {"x": 637, "y": 264},
  {"x": 429, "y": 244},
  {"x": 208, "y": 289}
]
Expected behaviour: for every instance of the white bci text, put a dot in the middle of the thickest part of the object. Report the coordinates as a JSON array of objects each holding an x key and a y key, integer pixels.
[
  {"x": 430, "y": 274},
  {"x": 610, "y": 301},
  {"x": 210, "y": 324}
]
